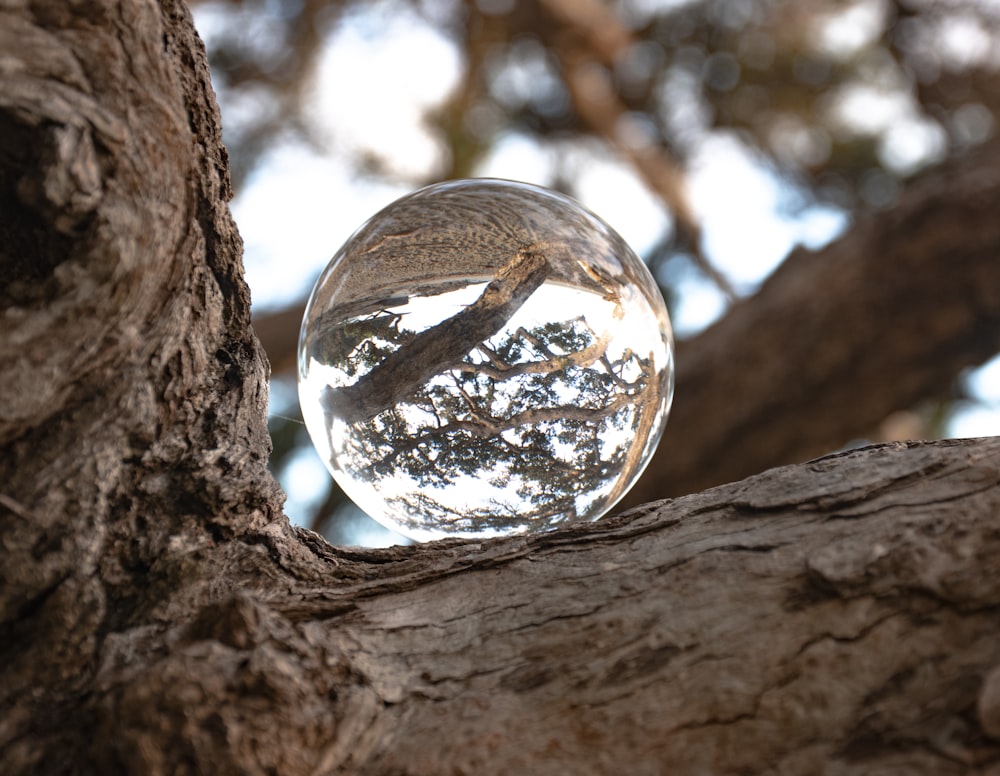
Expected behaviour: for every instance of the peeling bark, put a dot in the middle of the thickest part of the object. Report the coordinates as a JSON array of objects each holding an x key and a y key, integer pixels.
[{"x": 158, "y": 614}]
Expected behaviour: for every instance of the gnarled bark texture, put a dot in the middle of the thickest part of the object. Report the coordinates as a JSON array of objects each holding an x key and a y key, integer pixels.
[{"x": 159, "y": 615}]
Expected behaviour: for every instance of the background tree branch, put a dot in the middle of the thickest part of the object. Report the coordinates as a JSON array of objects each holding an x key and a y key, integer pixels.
[
  {"x": 837, "y": 340},
  {"x": 832, "y": 344},
  {"x": 663, "y": 95}
]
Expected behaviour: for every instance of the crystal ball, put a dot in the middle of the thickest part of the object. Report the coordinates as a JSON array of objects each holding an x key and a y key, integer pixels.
[{"x": 483, "y": 358}]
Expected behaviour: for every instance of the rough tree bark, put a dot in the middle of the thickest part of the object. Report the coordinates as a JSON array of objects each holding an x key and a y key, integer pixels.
[{"x": 159, "y": 615}]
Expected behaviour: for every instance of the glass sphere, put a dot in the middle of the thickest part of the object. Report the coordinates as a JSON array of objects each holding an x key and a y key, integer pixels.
[{"x": 483, "y": 358}]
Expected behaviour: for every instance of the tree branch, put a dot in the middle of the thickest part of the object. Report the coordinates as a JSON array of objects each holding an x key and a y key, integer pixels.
[
  {"x": 431, "y": 351},
  {"x": 828, "y": 617},
  {"x": 591, "y": 42},
  {"x": 499, "y": 370},
  {"x": 836, "y": 340}
]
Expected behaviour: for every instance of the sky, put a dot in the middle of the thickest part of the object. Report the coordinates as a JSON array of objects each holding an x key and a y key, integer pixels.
[{"x": 300, "y": 204}]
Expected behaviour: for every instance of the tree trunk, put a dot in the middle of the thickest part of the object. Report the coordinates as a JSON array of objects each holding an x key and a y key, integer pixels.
[{"x": 159, "y": 615}]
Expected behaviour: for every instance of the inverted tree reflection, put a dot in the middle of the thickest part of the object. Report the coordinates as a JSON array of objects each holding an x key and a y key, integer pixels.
[{"x": 531, "y": 424}]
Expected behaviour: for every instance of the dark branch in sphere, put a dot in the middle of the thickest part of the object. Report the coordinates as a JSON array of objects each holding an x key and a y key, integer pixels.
[{"x": 439, "y": 347}]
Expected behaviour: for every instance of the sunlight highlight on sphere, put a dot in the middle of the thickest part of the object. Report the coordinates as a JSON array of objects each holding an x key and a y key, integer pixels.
[{"x": 483, "y": 358}]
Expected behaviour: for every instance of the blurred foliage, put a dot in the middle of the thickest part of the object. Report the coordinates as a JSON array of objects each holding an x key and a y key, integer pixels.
[
  {"x": 842, "y": 100},
  {"x": 824, "y": 89}
]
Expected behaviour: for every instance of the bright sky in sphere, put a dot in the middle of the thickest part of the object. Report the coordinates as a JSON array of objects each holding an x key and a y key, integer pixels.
[{"x": 383, "y": 68}]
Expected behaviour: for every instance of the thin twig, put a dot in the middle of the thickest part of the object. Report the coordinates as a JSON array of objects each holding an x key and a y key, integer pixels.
[{"x": 598, "y": 106}]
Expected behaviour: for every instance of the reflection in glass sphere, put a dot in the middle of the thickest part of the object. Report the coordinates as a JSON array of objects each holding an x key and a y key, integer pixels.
[{"x": 483, "y": 358}]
